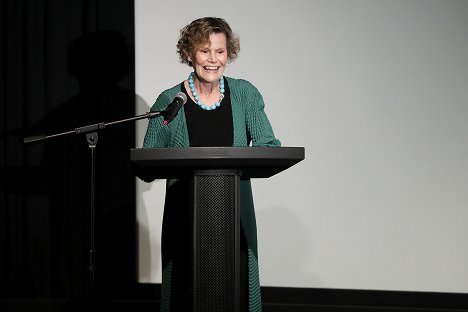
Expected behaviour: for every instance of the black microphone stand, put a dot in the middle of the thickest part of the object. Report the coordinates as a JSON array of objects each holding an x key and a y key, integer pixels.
[{"x": 91, "y": 132}]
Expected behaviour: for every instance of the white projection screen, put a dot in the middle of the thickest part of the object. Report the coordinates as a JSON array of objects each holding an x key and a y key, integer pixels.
[{"x": 377, "y": 93}]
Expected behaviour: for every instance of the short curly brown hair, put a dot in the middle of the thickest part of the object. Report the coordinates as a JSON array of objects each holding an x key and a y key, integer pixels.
[{"x": 198, "y": 32}]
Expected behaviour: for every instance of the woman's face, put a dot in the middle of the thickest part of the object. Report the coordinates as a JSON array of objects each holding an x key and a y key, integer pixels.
[{"x": 209, "y": 60}]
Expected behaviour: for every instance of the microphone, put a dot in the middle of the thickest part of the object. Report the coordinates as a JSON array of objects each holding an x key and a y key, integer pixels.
[{"x": 172, "y": 109}]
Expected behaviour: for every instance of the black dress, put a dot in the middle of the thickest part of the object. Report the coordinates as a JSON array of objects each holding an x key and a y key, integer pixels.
[{"x": 213, "y": 128}]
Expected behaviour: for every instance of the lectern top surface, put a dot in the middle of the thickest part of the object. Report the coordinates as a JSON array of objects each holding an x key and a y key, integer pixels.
[{"x": 251, "y": 162}]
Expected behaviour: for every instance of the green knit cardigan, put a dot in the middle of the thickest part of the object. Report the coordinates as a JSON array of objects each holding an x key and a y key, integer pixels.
[{"x": 251, "y": 126}]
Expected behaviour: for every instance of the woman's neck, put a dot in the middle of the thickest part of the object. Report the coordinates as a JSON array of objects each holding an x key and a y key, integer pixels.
[{"x": 206, "y": 88}]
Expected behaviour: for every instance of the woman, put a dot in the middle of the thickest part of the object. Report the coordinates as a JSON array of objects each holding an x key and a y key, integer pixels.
[{"x": 220, "y": 111}]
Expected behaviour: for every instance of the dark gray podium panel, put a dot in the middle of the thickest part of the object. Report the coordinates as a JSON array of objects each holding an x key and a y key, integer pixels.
[
  {"x": 251, "y": 162},
  {"x": 215, "y": 242}
]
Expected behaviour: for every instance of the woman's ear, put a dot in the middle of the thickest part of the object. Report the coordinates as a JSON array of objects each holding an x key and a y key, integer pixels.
[{"x": 189, "y": 59}]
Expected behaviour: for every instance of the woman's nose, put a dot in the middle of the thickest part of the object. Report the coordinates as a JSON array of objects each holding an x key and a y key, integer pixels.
[{"x": 212, "y": 58}]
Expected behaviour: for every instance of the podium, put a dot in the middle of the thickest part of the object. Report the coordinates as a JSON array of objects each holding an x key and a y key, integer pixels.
[{"x": 215, "y": 216}]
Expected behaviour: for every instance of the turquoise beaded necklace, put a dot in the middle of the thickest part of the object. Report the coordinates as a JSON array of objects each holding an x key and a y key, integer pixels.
[{"x": 197, "y": 98}]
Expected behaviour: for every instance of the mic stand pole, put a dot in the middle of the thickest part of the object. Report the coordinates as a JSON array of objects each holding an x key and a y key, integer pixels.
[{"x": 91, "y": 132}]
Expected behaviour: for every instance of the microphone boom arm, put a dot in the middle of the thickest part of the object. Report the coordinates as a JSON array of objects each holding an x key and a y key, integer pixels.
[{"x": 90, "y": 128}]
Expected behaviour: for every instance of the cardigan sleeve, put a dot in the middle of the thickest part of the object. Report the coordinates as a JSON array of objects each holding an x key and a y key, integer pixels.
[
  {"x": 258, "y": 126},
  {"x": 157, "y": 134}
]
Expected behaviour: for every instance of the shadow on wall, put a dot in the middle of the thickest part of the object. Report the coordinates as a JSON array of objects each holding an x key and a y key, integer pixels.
[{"x": 99, "y": 61}]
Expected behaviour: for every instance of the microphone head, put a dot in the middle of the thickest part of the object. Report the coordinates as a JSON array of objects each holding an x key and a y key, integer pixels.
[
  {"x": 182, "y": 96},
  {"x": 171, "y": 111}
]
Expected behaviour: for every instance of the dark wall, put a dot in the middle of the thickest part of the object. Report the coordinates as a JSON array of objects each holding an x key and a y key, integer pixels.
[{"x": 66, "y": 64}]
